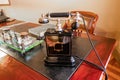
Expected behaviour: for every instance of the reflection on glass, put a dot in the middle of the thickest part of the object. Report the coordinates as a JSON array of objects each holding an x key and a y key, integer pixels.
[
  {"x": 2, "y": 54},
  {"x": 58, "y": 44}
]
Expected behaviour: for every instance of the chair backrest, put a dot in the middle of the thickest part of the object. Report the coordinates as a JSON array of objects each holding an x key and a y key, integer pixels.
[{"x": 90, "y": 19}]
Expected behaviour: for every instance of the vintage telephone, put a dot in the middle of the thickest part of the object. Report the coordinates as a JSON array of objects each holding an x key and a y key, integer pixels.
[
  {"x": 59, "y": 40},
  {"x": 59, "y": 47},
  {"x": 3, "y": 17}
]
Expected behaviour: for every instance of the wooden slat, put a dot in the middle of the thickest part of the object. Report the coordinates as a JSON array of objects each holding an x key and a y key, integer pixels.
[{"x": 113, "y": 70}]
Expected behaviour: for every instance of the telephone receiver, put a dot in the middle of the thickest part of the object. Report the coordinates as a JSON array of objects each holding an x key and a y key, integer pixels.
[
  {"x": 76, "y": 17},
  {"x": 3, "y": 17},
  {"x": 62, "y": 15},
  {"x": 53, "y": 16}
]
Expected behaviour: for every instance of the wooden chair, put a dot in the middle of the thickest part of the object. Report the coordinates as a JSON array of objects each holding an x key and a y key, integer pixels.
[{"x": 90, "y": 20}]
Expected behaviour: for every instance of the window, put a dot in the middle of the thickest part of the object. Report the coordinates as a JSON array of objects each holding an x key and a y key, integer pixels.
[{"x": 4, "y": 2}]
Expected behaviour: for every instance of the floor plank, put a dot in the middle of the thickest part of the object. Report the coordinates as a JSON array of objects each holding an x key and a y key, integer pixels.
[{"x": 113, "y": 69}]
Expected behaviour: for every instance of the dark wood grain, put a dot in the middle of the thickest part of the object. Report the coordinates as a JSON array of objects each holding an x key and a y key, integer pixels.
[
  {"x": 105, "y": 48},
  {"x": 10, "y": 23},
  {"x": 11, "y": 69}
]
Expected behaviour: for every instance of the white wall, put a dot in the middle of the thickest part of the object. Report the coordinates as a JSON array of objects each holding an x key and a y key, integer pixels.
[{"x": 30, "y": 10}]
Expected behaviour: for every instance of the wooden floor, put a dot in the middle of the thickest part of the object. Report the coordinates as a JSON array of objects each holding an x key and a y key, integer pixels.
[{"x": 113, "y": 69}]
